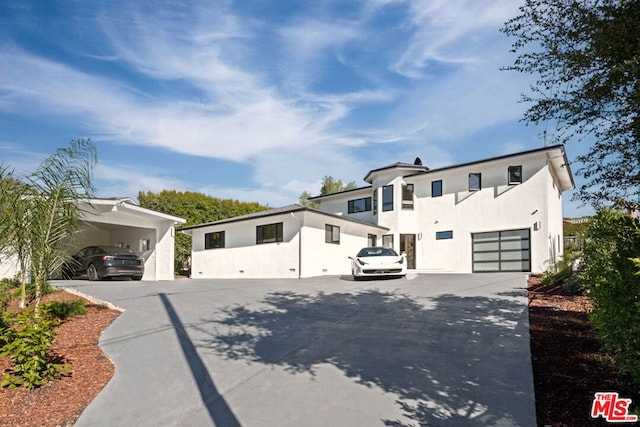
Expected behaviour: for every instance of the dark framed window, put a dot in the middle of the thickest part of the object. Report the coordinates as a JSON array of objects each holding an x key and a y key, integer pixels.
[
  {"x": 442, "y": 235},
  {"x": 436, "y": 188},
  {"x": 372, "y": 239},
  {"x": 269, "y": 233},
  {"x": 331, "y": 234},
  {"x": 407, "y": 196},
  {"x": 375, "y": 201},
  {"x": 359, "y": 205},
  {"x": 475, "y": 181},
  {"x": 214, "y": 240},
  {"x": 387, "y": 241},
  {"x": 387, "y": 198},
  {"x": 514, "y": 175}
]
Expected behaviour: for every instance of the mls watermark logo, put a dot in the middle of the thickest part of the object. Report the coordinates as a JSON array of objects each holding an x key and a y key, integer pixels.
[{"x": 612, "y": 408}]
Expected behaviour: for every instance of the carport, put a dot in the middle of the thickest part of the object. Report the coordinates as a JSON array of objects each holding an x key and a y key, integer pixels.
[{"x": 120, "y": 222}]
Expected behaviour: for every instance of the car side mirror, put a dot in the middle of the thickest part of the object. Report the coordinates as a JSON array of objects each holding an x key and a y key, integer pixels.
[{"x": 350, "y": 257}]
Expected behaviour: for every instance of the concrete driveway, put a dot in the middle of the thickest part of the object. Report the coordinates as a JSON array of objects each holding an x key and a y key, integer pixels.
[{"x": 427, "y": 350}]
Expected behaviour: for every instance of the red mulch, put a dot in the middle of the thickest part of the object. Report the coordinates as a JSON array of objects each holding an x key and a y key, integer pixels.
[
  {"x": 568, "y": 365},
  {"x": 59, "y": 403}
]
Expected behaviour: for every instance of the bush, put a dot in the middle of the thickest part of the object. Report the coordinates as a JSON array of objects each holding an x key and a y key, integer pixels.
[
  {"x": 573, "y": 285},
  {"x": 63, "y": 309},
  {"x": 614, "y": 287},
  {"x": 28, "y": 341},
  {"x": 6, "y": 292}
]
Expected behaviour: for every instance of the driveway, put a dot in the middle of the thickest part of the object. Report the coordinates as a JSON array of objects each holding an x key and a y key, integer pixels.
[{"x": 427, "y": 350}]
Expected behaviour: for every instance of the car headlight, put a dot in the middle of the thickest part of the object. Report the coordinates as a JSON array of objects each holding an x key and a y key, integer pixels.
[
  {"x": 360, "y": 261},
  {"x": 400, "y": 261}
]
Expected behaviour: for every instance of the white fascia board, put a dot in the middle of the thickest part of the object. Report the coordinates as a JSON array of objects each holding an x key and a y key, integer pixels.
[{"x": 114, "y": 205}]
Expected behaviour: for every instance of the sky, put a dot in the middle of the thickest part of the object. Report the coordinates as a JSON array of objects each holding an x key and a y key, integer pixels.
[{"x": 258, "y": 100}]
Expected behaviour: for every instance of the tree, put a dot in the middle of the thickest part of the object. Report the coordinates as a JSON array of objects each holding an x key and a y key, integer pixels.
[
  {"x": 586, "y": 56},
  {"x": 14, "y": 229},
  {"x": 196, "y": 208},
  {"x": 329, "y": 185},
  {"x": 41, "y": 219}
]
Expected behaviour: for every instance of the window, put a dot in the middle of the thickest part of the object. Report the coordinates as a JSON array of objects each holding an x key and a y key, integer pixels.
[
  {"x": 331, "y": 234},
  {"x": 372, "y": 239},
  {"x": 387, "y": 198},
  {"x": 442, "y": 235},
  {"x": 475, "y": 181},
  {"x": 515, "y": 175},
  {"x": 387, "y": 241},
  {"x": 269, "y": 233},
  {"x": 407, "y": 196},
  {"x": 145, "y": 245},
  {"x": 214, "y": 240},
  {"x": 359, "y": 205},
  {"x": 436, "y": 188},
  {"x": 375, "y": 201}
]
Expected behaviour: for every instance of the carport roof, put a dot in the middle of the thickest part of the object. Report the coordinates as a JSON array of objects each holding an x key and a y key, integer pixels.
[{"x": 127, "y": 205}]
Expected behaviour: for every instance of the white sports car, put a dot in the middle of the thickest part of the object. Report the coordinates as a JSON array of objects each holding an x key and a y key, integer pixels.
[{"x": 378, "y": 261}]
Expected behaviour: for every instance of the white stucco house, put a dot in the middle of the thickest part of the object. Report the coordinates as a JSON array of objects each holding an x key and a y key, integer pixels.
[
  {"x": 498, "y": 214},
  {"x": 121, "y": 222}
]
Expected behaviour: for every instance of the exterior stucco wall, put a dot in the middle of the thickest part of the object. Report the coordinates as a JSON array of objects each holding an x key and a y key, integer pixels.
[
  {"x": 242, "y": 257},
  {"x": 303, "y": 252},
  {"x": 535, "y": 204},
  {"x": 321, "y": 258},
  {"x": 8, "y": 267}
]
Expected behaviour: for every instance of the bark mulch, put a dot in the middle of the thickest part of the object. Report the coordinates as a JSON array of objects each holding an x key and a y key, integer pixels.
[{"x": 567, "y": 362}]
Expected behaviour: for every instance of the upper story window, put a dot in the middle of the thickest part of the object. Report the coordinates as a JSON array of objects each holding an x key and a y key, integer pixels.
[
  {"x": 475, "y": 181},
  {"x": 214, "y": 240},
  {"x": 359, "y": 205},
  {"x": 332, "y": 234},
  {"x": 375, "y": 201},
  {"x": 387, "y": 198},
  {"x": 514, "y": 174},
  {"x": 269, "y": 233},
  {"x": 436, "y": 188},
  {"x": 407, "y": 196}
]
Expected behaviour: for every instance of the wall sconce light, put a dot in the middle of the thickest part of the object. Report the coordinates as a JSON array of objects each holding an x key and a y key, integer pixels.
[{"x": 419, "y": 236}]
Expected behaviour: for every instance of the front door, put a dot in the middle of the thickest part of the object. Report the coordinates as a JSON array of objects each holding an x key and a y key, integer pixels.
[{"x": 408, "y": 246}]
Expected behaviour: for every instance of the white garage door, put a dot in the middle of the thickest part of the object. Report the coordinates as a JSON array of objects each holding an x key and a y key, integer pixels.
[{"x": 507, "y": 250}]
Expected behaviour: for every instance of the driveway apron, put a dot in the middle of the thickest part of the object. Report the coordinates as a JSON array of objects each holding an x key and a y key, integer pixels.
[{"x": 431, "y": 349}]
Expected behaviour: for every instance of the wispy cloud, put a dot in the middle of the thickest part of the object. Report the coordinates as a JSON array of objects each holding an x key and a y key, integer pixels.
[{"x": 325, "y": 89}]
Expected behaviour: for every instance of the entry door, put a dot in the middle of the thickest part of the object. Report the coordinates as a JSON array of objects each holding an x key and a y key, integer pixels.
[{"x": 408, "y": 246}]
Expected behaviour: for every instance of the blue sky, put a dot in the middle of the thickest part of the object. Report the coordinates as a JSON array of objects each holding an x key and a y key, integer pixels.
[{"x": 257, "y": 100}]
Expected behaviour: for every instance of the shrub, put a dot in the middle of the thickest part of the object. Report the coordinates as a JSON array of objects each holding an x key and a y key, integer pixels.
[
  {"x": 63, "y": 309},
  {"x": 6, "y": 292},
  {"x": 614, "y": 287},
  {"x": 28, "y": 341}
]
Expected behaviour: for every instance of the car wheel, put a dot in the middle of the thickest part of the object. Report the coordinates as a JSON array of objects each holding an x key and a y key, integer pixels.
[
  {"x": 92, "y": 272},
  {"x": 136, "y": 278}
]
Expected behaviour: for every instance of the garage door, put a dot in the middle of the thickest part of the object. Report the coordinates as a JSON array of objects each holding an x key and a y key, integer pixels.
[{"x": 507, "y": 250}]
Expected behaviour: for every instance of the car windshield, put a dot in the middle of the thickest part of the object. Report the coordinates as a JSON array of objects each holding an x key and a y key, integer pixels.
[{"x": 365, "y": 252}]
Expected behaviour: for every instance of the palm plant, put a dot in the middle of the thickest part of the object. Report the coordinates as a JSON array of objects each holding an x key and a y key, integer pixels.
[
  {"x": 46, "y": 214},
  {"x": 14, "y": 229}
]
